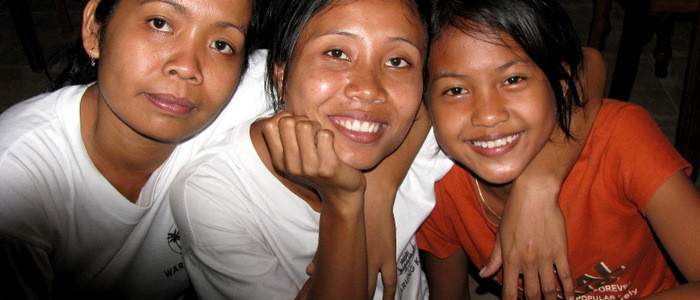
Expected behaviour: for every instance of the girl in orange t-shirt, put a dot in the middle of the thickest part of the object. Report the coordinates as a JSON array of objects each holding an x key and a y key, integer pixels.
[{"x": 500, "y": 88}]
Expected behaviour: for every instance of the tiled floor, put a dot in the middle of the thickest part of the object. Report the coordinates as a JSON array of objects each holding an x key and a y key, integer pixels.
[{"x": 660, "y": 96}]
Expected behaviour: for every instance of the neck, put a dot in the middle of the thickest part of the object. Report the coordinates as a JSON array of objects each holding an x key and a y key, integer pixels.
[
  {"x": 124, "y": 157},
  {"x": 300, "y": 189},
  {"x": 494, "y": 198}
]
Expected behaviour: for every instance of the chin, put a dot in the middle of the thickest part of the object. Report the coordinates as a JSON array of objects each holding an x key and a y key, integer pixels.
[{"x": 498, "y": 177}]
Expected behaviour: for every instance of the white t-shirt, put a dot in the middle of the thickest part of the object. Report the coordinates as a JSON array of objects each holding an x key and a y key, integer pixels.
[
  {"x": 246, "y": 236},
  {"x": 65, "y": 230}
]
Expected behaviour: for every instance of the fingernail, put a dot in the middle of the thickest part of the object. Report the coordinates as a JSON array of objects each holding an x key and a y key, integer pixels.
[{"x": 481, "y": 272}]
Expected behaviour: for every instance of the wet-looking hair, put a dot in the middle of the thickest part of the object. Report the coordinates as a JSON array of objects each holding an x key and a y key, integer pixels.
[
  {"x": 289, "y": 17},
  {"x": 76, "y": 63},
  {"x": 541, "y": 27}
]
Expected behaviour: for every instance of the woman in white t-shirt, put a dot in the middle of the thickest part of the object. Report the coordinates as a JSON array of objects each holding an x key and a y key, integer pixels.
[{"x": 84, "y": 170}]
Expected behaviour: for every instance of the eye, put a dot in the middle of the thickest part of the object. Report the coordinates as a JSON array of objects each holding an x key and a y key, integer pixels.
[
  {"x": 397, "y": 62},
  {"x": 337, "y": 53},
  {"x": 455, "y": 91},
  {"x": 514, "y": 79},
  {"x": 160, "y": 25},
  {"x": 223, "y": 47}
]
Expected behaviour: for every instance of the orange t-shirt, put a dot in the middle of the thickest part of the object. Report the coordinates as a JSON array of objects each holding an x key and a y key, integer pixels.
[{"x": 612, "y": 251}]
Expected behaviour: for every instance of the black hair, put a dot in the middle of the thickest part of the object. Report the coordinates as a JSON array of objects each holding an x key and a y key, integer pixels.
[
  {"x": 286, "y": 20},
  {"x": 541, "y": 27},
  {"x": 76, "y": 63}
]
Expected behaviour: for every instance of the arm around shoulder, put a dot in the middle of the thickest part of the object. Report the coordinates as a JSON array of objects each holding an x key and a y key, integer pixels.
[{"x": 674, "y": 214}]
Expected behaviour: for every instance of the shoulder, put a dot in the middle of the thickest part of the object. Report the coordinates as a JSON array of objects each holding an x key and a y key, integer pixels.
[
  {"x": 208, "y": 196},
  {"x": 39, "y": 115}
]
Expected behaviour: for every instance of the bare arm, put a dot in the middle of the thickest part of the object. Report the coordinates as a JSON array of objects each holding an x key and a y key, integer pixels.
[
  {"x": 674, "y": 214},
  {"x": 382, "y": 185},
  {"x": 532, "y": 215},
  {"x": 305, "y": 154},
  {"x": 447, "y": 278}
]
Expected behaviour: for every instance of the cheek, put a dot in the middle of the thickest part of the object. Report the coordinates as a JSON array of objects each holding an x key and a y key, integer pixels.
[{"x": 222, "y": 81}]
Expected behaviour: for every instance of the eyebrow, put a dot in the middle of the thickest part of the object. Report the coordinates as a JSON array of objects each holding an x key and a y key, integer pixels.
[
  {"x": 355, "y": 36},
  {"x": 181, "y": 9},
  {"x": 501, "y": 68},
  {"x": 511, "y": 63}
]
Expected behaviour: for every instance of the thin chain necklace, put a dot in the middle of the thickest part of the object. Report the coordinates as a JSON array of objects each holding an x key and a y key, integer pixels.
[{"x": 481, "y": 196}]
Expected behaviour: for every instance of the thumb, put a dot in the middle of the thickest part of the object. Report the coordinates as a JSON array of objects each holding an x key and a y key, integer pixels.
[
  {"x": 311, "y": 268},
  {"x": 495, "y": 261}
]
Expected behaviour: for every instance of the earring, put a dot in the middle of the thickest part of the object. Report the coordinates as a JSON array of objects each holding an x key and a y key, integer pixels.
[{"x": 92, "y": 61}]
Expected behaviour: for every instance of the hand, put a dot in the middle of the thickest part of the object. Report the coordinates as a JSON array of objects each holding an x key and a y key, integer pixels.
[
  {"x": 304, "y": 152},
  {"x": 531, "y": 240}
]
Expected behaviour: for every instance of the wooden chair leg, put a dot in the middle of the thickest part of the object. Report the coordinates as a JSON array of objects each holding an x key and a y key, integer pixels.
[
  {"x": 688, "y": 134},
  {"x": 636, "y": 32},
  {"x": 662, "y": 52},
  {"x": 22, "y": 19},
  {"x": 63, "y": 18},
  {"x": 600, "y": 25}
]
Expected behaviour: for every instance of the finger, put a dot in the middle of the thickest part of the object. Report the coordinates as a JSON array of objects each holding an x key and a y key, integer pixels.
[
  {"x": 564, "y": 273},
  {"x": 291, "y": 158},
  {"x": 372, "y": 275},
  {"x": 531, "y": 280},
  {"x": 304, "y": 292},
  {"x": 495, "y": 261},
  {"x": 306, "y": 138},
  {"x": 328, "y": 159},
  {"x": 389, "y": 282},
  {"x": 270, "y": 129},
  {"x": 548, "y": 281},
  {"x": 311, "y": 268},
  {"x": 510, "y": 282}
]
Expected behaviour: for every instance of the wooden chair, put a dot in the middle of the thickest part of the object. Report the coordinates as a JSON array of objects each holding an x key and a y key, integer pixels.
[
  {"x": 22, "y": 19},
  {"x": 643, "y": 18}
]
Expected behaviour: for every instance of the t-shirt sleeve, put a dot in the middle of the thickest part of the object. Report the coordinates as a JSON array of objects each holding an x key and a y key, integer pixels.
[
  {"x": 437, "y": 235},
  {"x": 224, "y": 257},
  {"x": 646, "y": 157},
  {"x": 25, "y": 268}
]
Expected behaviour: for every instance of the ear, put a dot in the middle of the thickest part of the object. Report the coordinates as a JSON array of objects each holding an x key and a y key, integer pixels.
[
  {"x": 279, "y": 78},
  {"x": 91, "y": 30},
  {"x": 564, "y": 83}
]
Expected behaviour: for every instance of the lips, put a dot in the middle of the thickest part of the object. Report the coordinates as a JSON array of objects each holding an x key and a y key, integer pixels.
[
  {"x": 495, "y": 145},
  {"x": 490, "y": 144},
  {"x": 359, "y": 128},
  {"x": 171, "y": 104}
]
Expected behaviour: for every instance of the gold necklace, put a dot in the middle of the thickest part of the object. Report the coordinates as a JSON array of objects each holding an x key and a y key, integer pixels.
[{"x": 481, "y": 196}]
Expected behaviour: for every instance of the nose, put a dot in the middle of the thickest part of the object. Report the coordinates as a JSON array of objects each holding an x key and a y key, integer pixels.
[
  {"x": 488, "y": 109},
  {"x": 186, "y": 64},
  {"x": 366, "y": 84}
]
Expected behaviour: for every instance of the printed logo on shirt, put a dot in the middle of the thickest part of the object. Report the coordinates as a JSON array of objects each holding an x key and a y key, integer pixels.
[
  {"x": 406, "y": 265},
  {"x": 605, "y": 281},
  {"x": 174, "y": 239},
  {"x": 174, "y": 244}
]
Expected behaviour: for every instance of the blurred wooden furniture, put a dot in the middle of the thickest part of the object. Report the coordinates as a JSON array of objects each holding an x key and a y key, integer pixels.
[
  {"x": 642, "y": 19},
  {"x": 22, "y": 19}
]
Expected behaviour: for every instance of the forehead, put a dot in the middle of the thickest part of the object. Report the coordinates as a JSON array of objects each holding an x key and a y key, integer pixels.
[
  {"x": 395, "y": 17},
  {"x": 476, "y": 43}
]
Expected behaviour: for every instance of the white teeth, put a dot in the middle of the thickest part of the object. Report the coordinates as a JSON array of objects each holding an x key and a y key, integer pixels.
[
  {"x": 359, "y": 126},
  {"x": 495, "y": 143}
]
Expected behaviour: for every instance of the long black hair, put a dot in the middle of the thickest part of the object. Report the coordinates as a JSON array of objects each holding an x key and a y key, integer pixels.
[
  {"x": 541, "y": 27},
  {"x": 76, "y": 63},
  {"x": 288, "y": 18}
]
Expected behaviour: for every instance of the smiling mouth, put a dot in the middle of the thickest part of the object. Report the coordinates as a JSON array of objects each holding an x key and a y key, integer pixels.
[
  {"x": 496, "y": 143},
  {"x": 360, "y": 126}
]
